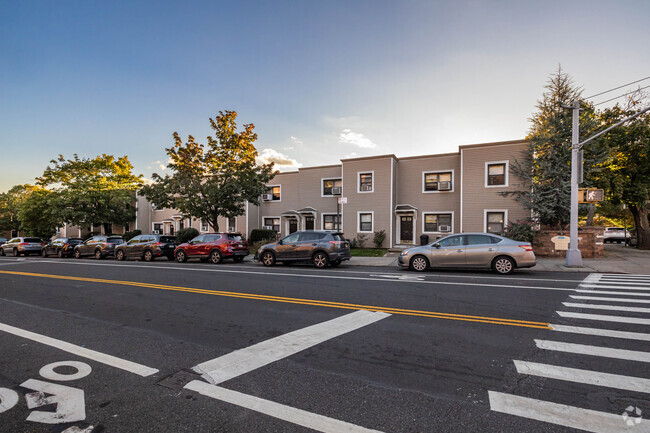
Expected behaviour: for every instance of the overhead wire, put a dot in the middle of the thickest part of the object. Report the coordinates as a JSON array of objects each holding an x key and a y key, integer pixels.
[
  {"x": 616, "y": 88},
  {"x": 620, "y": 96}
]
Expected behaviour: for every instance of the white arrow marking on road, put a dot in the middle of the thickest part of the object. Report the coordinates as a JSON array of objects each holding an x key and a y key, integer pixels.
[
  {"x": 8, "y": 399},
  {"x": 70, "y": 403},
  {"x": 75, "y": 429}
]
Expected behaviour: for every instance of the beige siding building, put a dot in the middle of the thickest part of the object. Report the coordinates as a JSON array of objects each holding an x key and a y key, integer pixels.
[{"x": 434, "y": 195}]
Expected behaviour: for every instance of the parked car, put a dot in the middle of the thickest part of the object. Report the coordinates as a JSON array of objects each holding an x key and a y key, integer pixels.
[
  {"x": 3, "y": 241},
  {"x": 214, "y": 247},
  {"x": 61, "y": 247},
  {"x": 470, "y": 250},
  {"x": 147, "y": 247},
  {"x": 98, "y": 246},
  {"x": 616, "y": 234},
  {"x": 22, "y": 246},
  {"x": 322, "y": 248}
]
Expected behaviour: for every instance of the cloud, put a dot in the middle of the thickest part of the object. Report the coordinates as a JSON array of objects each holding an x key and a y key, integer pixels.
[
  {"x": 355, "y": 139},
  {"x": 281, "y": 161},
  {"x": 296, "y": 140}
]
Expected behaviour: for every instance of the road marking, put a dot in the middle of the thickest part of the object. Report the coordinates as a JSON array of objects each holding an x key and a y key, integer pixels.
[
  {"x": 399, "y": 277},
  {"x": 583, "y": 349},
  {"x": 619, "y": 282},
  {"x": 418, "y": 313},
  {"x": 113, "y": 361},
  {"x": 48, "y": 372},
  {"x": 335, "y": 277},
  {"x": 287, "y": 413},
  {"x": 615, "y": 287},
  {"x": 598, "y": 298},
  {"x": 560, "y": 414},
  {"x": 604, "y": 292},
  {"x": 70, "y": 404},
  {"x": 640, "y": 276},
  {"x": 604, "y": 318},
  {"x": 601, "y": 332},
  {"x": 583, "y": 376},
  {"x": 607, "y": 307},
  {"x": 242, "y": 361},
  {"x": 8, "y": 399}
]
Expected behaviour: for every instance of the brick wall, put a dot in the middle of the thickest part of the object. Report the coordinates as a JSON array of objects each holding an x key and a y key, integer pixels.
[{"x": 590, "y": 242}]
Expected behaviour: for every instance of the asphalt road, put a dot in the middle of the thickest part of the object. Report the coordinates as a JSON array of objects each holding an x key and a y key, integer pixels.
[{"x": 193, "y": 347}]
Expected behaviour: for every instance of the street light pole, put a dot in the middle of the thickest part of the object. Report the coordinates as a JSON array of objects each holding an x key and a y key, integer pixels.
[{"x": 573, "y": 255}]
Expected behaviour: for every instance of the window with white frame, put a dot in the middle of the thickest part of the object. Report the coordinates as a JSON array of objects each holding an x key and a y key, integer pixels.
[
  {"x": 232, "y": 224},
  {"x": 158, "y": 228},
  {"x": 204, "y": 226},
  {"x": 365, "y": 182},
  {"x": 272, "y": 222},
  {"x": 438, "y": 222},
  {"x": 275, "y": 192},
  {"x": 496, "y": 173},
  {"x": 365, "y": 222},
  {"x": 330, "y": 187},
  {"x": 438, "y": 181},
  {"x": 495, "y": 222},
  {"x": 331, "y": 222}
]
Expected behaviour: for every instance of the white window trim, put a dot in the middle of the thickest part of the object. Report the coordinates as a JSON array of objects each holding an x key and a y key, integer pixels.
[
  {"x": 201, "y": 230},
  {"x": 506, "y": 172},
  {"x": 271, "y": 216},
  {"x": 322, "y": 219},
  {"x": 153, "y": 226},
  {"x": 485, "y": 212},
  {"x": 274, "y": 201},
  {"x": 435, "y": 212},
  {"x": 322, "y": 186},
  {"x": 372, "y": 222},
  {"x": 453, "y": 181},
  {"x": 234, "y": 228},
  {"x": 359, "y": 173}
]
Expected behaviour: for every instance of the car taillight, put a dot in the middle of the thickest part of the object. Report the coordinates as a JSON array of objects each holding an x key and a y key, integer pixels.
[
  {"x": 24, "y": 243},
  {"x": 158, "y": 243},
  {"x": 337, "y": 242},
  {"x": 526, "y": 247}
]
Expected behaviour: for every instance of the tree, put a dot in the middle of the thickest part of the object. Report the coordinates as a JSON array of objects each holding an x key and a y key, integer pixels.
[
  {"x": 546, "y": 166},
  {"x": 213, "y": 180},
  {"x": 92, "y": 191},
  {"x": 10, "y": 203},
  {"x": 625, "y": 175},
  {"x": 38, "y": 212}
]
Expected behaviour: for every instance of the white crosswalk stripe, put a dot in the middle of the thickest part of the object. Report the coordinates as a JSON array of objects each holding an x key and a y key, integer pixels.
[
  {"x": 605, "y": 292},
  {"x": 601, "y": 332},
  {"x": 584, "y": 349},
  {"x": 607, "y": 307},
  {"x": 604, "y": 318},
  {"x": 615, "y": 286},
  {"x": 599, "y": 298}
]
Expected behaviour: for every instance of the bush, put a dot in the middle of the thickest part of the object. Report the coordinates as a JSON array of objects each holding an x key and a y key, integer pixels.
[
  {"x": 186, "y": 234},
  {"x": 379, "y": 238},
  {"x": 353, "y": 243},
  {"x": 130, "y": 235},
  {"x": 263, "y": 235},
  {"x": 520, "y": 231},
  {"x": 361, "y": 240}
]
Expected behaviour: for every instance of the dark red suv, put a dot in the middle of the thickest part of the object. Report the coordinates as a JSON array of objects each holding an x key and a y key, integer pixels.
[{"x": 214, "y": 247}]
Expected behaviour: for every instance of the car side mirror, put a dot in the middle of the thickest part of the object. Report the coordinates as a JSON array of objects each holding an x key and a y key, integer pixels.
[
  {"x": 436, "y": 245},
  {"x": 280, "y": 242}
]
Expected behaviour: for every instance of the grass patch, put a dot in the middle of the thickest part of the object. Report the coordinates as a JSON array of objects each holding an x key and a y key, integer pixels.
[{"x": 368, "y": 252}]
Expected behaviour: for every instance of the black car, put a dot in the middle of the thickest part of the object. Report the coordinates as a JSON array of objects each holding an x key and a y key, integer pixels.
[
  {"x": 147, "y": 247},
  {"x": 322, "y": 248},
  {"x": 98, "y": 246},
  {"x": 61, "y": 247}
]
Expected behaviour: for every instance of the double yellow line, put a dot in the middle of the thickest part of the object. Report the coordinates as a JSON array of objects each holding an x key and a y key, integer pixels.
[{"x": 316, "y": 303}]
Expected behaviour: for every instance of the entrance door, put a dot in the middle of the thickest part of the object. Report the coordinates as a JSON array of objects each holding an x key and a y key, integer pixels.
[
  {"x": 293, "y": 225},
  {"x": 406, "y": 230},
  {"x": 309, "y": 223}
]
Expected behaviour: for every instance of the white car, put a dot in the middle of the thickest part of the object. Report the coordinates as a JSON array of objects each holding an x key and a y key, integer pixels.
[{"x": 616, "y": 234}]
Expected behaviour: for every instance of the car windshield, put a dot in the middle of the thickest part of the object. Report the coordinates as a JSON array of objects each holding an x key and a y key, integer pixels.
[
  {"x": 233, "y": 237},
  {"x": 168, "y": 239},
  {"x": 115, "y": 240},
  {"x": 74, "y": 241},
  {"x": 32, "y": 240}
]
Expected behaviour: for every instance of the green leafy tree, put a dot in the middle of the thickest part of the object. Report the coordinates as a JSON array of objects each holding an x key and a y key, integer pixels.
[
  {"x": 10, "y": 203},
  {"x": 38, "y": 213},
  {"x": 92, "y": 191},
  {"x": 546, "y": 166},
  {"x": 625, "y": 175},
  {"x": 213, "y": 180}
]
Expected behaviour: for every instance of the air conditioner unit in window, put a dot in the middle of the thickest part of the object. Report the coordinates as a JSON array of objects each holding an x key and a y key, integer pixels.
[
  {"x": 444, "y": 186},
  {"x": 444, "y": 228},
  {"x": 267, "y": 197},
  {"x": 157, "y": 232},
  {"x": 336, "y": 190},
  {"x": 366, "y": 187},
  {"x": 267, "y": 227}
]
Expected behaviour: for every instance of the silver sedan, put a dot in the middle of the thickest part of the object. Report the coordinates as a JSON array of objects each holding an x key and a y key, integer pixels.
[{"x": 470, "y": 250}]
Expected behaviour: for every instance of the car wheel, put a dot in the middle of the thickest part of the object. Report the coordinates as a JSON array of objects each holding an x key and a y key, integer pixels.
[
  {"x": 16, "y": 253},
  {"x": 320, "y": 260},
  {"x": 181, "y": 257},
  {"x": 43, "y": 252},
  {"x": 503, "y": 265},
  {"x": 419, "y": 263},
  {"x": 268, "y": 258},
  {"x": 215, "y": 257},
  {"x": 237, "y": 259},
  {"x": 2, "y": 252},
  {"x": 77, "y": 254},
  {"x": 119, "y": 255},
  {"x": 98, "y": 255},
  {"x": 59, "y": 253},
  {"x": 147, "y": 256}
]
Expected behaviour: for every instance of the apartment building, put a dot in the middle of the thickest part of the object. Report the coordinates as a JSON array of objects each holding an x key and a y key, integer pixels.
[{"x": 406, "y": 197}]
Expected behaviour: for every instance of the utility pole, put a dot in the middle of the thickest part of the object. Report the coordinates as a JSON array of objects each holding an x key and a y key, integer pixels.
[{"x": 573, "y": 255}]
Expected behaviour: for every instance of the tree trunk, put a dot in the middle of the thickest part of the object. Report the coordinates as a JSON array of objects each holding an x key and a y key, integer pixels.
[
  {"x": 215, "y": 223},
  {"x": 642, "y": 227},
  {"x": 590, "y": 214}
]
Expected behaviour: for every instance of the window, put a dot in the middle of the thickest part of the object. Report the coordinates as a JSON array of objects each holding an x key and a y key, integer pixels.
[
  {"x": 495, "y": 222},
  {"x": 365, "y": 222},
  {"x": 438, "y": 181},
  {"x": 331, "y": 222},
  {"x": 438, "y": 222},
  {"x": 272, "y": 222},
  {"x": 452, "y": 241},
  {"x": 275, "y": 192},
  {"x": 365, "y": 182},
  {"x": 291, "y": 239},
  {"x": 479, "y": 240},
  {"x": 496, "y": 173},
  {"x": 157, "y": 227},
  {"x": 232, "y": 224},
  {"x": 328, "y": 184},
  {"x": 204, "y": 226},
  {"x": 311, "y": 237}
]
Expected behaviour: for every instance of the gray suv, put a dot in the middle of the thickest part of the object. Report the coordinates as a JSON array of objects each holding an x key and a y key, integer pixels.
[
  {"x": 322, "y": 248},
  {"x": 22, "y": 246},
  {"x": 99, "y": 246}
]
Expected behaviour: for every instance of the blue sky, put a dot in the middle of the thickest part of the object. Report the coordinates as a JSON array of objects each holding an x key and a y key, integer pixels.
[{"x": 320, "y": 80}]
